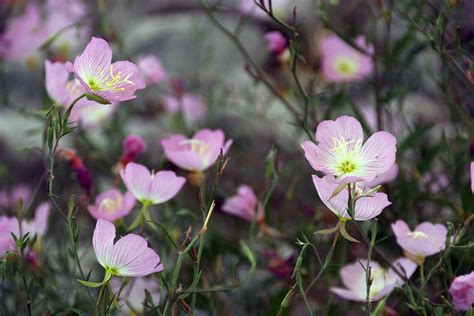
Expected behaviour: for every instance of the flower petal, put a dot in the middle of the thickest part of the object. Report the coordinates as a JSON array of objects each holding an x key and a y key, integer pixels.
[
  {"x": 103, "y": 241},
  {"x": 378, "y": 155}
]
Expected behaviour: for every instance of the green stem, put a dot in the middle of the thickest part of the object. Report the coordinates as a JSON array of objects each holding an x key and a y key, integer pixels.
[{"x": 422, "y": 273}]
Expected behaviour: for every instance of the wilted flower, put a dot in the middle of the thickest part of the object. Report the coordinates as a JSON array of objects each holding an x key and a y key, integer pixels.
[
  {"x": 341, "y": 62},
  {"x": 188, "y": 104},
  {"x": 276, "y": 42},
  {"x": 366, "y": 207},
  {"x": 462, "y": 291},
  {"x": 130, "y": 256},
  {"x": 133, "y": 294},
  {"x": 83, "y": 176},
  {"x": 197, "y": 153},
  {"x": 112, "y": 205},
  {"x": 152, "y": 71},
  {"x": 244, "y": 205},
  {"x": 341, "y": 152},
  {"x": 133, "y": 146},
  {"x": 23, "y": 36},
  {"x": 150, "y": 187},
  {"x": 353, "y": 276},
  {"x": 113, "y": 82},
  {"x": 427, "y": 239}
]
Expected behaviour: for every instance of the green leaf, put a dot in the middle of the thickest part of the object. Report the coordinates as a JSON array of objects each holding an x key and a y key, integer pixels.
[
  {"x": 96, "y": 98},
  {"x": 90, "y": 284}
]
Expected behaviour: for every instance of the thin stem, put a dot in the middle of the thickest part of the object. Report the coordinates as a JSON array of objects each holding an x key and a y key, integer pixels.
[
  {"x": 368, "y": 271},
  {"x": 422, "y": 273}
]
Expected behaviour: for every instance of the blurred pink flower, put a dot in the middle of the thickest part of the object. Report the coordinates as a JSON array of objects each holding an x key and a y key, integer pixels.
[
  {"x": 462, "y": 291},
  {"x": 133, "y": 146},
  {"x": 94, "y": 69},
  {"x": 244, "y": 205},
  {"x": 340, "y": 151},
  {"x": 133, "y": 294},
  {"x": 23, "y": 36},
  {"x": 152, "y": 71},
  {"x": 130, "y": 256},
  {"x": 427, "y": 239},
  {"x": 386, "y": 177},
  {"x": 383, "y": 283},
  {"x": 83, "y": 176},
  {"x": 197, "y": 153},
  {"x": 89, "y": 114},
  {"x": 10, "y": 199},
  {"x": 366, "y": 207},
  {"x": 35, "y": 227},
  {"x": 341, "y": 62},
  {"x": 276, "y": 42},
  {"x": 190, "y": 105},
  {"x": 112, "y": 205},
  {"x": 150, "y": 187}
]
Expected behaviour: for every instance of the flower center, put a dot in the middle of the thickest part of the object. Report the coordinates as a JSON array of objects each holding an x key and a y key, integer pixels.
[
  {"x": 110, "y": 205},
  {"x": 197, "y": 146},
  {"x": 418, "y": 235},
  {"x": 112, "y": 80},
  {"x": 347, "y": 166},
  {"x": 345, "y": 66},
  {"x": 347, "y": 154}
]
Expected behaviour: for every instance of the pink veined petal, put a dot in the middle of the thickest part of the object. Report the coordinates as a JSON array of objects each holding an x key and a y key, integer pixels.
[
  {"x": 125, "y": 90},
  {"x": 347, "y": 294},
  {"x": 127, "y": 249},
  {"x": 371, "y": 206},
  {"x": 378, "y": 154},
  {"x": 437, "y": 233},
  {"x": 96, "y": 58},
  {"x": 353, "y": 276},
  {"x": 325, "y": 187},
  {"x": 147, "y": 263},
  {"x": 137, "y": 179},
  {"x": 215, "y": 139},
  {"x": 180, "y": 155},
  {"x": 164, "y": 186},
  {"x": 128, "y": 203},
  {"x": 344, "y": 128},
  {"x": 386, "y": 177},
  {"x": 311, "y": 153},
  {"x": 103, "y": 241},
  {"x": 405, "y": 266}
]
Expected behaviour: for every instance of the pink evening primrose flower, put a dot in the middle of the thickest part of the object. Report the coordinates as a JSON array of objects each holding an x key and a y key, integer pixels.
[
  {"x": 150, "y": 187},
  {"x": 384, "y": 281},
  {"x": 276, "y": 42},
  {"x": 427, "y": 239},
  {"x": 112, "y": 205},
  {"x": 341, "y": 152},
  {"x": 341, "y": 62},
  {"x": 94, "y": 69},
  {"x": 366, "y": 207},
  {"x": 197, "y": 153},
  {"x": 189, "y": 104},
  {"x": 133, "y": 294},
  {"x": 23, "y": 36},
  {"x": 152, "y": 71},
  {"x": 244, "y": 205},
  {"x": 130, "y": 256},
  {"x": 462, "y": 291}
]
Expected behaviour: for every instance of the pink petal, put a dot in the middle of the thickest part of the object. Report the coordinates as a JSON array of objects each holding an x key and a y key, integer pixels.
[
  {"x": 164, "y": 186},
  {"x": 103, "y": 241},
  {"x": 137, "y": 180},
  {"x": 56, "y": 77},
  {"x": 378, "y": 153},
  {"x": 97, "y": 55},
  {"x": 346, "y": 294},
  {"x": 124, "y": 68}
]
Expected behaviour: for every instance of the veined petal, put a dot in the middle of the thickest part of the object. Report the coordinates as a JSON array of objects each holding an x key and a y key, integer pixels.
[
  {"x": 103, "y": 241},
  {"x": 147, "y": 263},
  {"x": 369, "y": 207},
  {"x": 377, "y": 155},
  {"x": 164, "y": 186},
  {"x": 56, "y": 77},
  {"x": 94, "y": 63},
  {"x": 137, "y": 179}
]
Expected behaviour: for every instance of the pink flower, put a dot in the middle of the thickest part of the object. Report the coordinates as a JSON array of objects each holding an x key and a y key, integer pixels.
[
  {"x": 113, "y": 82},
  {"x": 151, "y": 69},
  {"x": 189, "y": 105},
  {"x": 427, "y": 239},
  {"x": 151, "y": 188},
  {"x": 7, "y": 225},
  {"x": 197, "y": 153},
  {"x": 112, "y": 205},
  {"x": 133, "y": 146},
  {"x": 341, "y": 152},
  {"x": 35, "y": 227},
  {"x": 89, "y": 114},
  {"x": 130, "y": 256},
  {"x": 341, "y": 62},
  {"x": 133, "y": 294},
  {"x": 244, "y": 205},
  {"x": 384, "y": 281},
  {"x": 276, "y": 42},
  {"x": 366, "y": 207},
  {"x": 23, "y": 36},
  {"x": 12, "y": 198},
  {"x": 462, "y": 291},
  {"x": 386, "y": 177}
]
